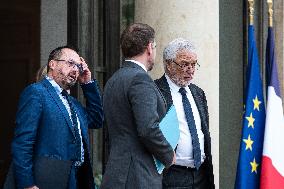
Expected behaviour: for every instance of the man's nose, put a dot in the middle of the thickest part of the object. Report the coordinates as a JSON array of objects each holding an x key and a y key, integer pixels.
[{"x": 75, "y": 70}]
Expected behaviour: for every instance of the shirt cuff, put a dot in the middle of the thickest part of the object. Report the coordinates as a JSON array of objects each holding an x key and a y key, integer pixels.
[{"x": 91, "y": 81}]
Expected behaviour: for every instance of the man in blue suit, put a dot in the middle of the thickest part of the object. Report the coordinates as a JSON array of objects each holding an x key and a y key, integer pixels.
[{"x": 51, "y": 135}]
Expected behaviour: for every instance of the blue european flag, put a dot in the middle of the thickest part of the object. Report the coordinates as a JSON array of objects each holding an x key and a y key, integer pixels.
[{"x": 248, "y": 171}]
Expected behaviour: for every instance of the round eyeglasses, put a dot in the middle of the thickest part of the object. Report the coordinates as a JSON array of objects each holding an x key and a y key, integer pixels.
[
  {"x": 186, "y": 65},
  {"x": 72, "y": 64}
]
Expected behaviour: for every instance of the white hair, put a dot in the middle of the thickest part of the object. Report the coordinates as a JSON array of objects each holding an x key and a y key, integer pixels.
[{"x": 175, "y": 46}]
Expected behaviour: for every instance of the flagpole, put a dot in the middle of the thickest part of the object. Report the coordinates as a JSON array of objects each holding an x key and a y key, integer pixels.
[
  {"x": 251, "y": 11},
  {"x": 270, "y": 13}
]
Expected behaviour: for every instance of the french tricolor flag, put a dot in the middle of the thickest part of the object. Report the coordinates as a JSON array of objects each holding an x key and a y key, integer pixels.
[{"x": 272, "y": 168}]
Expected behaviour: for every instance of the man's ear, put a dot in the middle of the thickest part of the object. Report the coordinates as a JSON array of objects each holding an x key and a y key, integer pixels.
[
  {"x": 52, "y": 64},
  {"x": 149, "y": 48},
  {"x": 168, "y": 67}
]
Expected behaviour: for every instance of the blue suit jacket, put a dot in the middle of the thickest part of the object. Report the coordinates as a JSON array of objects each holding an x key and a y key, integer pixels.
[{"x": 44, "y": 128}]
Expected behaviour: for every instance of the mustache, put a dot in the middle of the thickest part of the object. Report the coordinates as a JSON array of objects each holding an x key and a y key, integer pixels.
[{"x": 65, "y": 77}]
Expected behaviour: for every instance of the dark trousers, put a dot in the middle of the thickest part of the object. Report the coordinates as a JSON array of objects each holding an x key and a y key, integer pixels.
[
  {"x": 73, "y": 183},
  {"x": 180, "y": 177},
  {"x": 81, "y": 177}
]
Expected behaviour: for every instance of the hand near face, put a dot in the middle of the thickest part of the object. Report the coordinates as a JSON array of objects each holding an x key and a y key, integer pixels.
[{"x": 86, "y": 74}]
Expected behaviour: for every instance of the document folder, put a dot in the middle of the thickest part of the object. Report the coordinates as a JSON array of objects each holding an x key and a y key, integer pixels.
[{"x": 170, "y": 128}]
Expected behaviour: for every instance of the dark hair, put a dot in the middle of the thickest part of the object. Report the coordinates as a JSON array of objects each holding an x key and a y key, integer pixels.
[
  {"x": 56, "y": 53},
  {"x": 135, "y": 38}
]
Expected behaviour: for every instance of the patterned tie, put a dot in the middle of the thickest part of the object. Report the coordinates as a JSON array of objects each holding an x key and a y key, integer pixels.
[
  {"x": 74, "y": 121},
  {"x": 192, "y": 128}
]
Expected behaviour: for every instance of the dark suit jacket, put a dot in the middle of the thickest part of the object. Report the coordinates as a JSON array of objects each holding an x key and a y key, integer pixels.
[
  {"x": 201, "y": 103},
  {"x": 44, "y": 128},
  {"x": 133, "y": 108}
]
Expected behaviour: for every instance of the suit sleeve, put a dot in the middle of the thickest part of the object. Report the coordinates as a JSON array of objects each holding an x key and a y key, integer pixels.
[
  {"x": 94, "y": 107},
  {"x": 27, "y": 122},
  {"x": 143, "y": 99},
  {"x": 205, "y": 107}
]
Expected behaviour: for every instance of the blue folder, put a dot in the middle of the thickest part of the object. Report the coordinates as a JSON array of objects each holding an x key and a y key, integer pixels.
[{"x": 170, "y": 128}]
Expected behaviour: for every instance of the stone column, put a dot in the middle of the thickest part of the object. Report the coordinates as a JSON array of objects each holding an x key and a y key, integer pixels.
[
  {"x": 53, "y": 27},
  {"x": 232, "y": 61},
  {"x": 197, "y": 21},
  {"x": 278, "y": 25}
]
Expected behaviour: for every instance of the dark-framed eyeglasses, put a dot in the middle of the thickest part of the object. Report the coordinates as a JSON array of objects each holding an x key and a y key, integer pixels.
[
  {"x": 72, "y": 64},
  {"x": 185, "y": 65}
]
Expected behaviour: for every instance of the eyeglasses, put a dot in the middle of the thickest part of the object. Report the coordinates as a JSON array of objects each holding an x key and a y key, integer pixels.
[
  {"x": 72, "y": 64},
  {"x": 185, "y": 65}
]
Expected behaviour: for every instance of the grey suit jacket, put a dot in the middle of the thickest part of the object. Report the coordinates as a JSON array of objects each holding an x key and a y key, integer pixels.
[
  {"x": 201, "y": 103},
  {"x": 133, "y": 108}
]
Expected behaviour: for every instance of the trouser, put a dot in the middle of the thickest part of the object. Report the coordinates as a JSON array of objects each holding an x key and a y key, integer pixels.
[
  {"x": 73, "y": 178},
  {"x": 181, "y": 177}
]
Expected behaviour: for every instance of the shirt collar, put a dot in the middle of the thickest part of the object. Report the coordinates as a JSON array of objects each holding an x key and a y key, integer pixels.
[
  {"x": 57, "y": 88},
  {"x": 174, "y": 87},
  {"x": 139, "y": 64}
]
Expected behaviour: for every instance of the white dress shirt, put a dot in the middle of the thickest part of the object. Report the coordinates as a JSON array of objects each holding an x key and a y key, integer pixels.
[{"x": 184, "y": 151}]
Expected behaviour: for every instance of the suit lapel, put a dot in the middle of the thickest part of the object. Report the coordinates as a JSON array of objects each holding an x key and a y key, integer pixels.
[
  {"x": 199, "y": 104},
  {"x": 165, "y": 90},
  {"x": 59, "y": 103},
  {"x": 162, "y": 96},
  {"x": 84, "y": 132},
  {"x": 203, "y": 116}
]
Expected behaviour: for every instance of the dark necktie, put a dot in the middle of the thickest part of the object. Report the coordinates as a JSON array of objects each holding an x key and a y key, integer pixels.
[
  {"x": 192, "y": 128},
  {"x": 74, "y": 120}
]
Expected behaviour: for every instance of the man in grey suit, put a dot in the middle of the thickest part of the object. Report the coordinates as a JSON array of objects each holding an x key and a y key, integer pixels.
[
  {"x": 193, "y": 167},
  {"x": 133, "y": 108}
]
